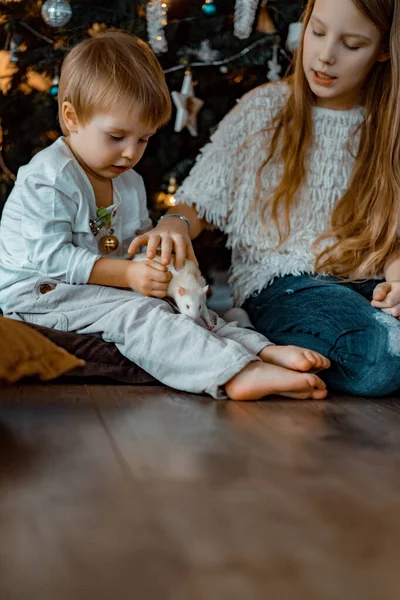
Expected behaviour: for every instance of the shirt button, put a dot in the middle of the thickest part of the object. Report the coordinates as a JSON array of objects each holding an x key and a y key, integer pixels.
[
  {"x": 137, "y": 232},
  {"x": 44, "y": 288}
]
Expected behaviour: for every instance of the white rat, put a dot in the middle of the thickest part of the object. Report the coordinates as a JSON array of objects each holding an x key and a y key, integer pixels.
[{"x": 187, "y": 288}]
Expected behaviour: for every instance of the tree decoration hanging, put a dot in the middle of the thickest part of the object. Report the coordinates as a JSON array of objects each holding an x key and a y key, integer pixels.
[
  {"x": 274, "y": 68},
  {"x": 156, "y": 14},
  {"x": 209, "y": 8},
  {"x": 205, "y": 53},
  {"x": 264, "y": 22},
  {"x": 187, "y": 105},
  {"x": 56, "y": 13},
  {"x": 245, "y": 12},
  {"x": 14, "y": 45},
  {"x": 53, "y": 91},
  {"x": 294, "y": 36}
]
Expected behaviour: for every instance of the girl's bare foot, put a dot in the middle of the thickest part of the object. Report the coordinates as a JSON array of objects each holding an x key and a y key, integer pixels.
[
  {"x": 259, "y": 379},
  {"x": 294, "y": 357}
]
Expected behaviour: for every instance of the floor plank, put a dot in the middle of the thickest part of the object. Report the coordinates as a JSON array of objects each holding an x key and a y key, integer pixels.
[
  {"x": 71, "y": 526},
  {"x": 115, "y": 491}
]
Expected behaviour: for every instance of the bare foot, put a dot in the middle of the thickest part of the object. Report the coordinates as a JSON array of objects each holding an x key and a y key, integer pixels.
[
  {"x": 294, "y": 357},
  {"x": 259, "y": 379}
]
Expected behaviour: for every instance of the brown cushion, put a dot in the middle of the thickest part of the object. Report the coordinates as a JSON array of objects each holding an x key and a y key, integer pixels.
[
  {"x": 25, "y": 352},
  {"x": 102, "y": 359}
]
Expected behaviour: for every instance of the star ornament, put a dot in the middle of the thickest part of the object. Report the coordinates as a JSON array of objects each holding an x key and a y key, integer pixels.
[{"x": 187, "y": 106}]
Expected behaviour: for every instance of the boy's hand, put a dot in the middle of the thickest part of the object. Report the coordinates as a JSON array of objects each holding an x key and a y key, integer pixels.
[
  {"x": 149, "y": 277},
  {"x": 171, "y": 235},
  {"x": 386, "y": 296}
]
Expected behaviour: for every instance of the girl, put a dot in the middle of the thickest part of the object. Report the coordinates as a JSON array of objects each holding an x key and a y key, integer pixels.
[{"x": 304, "y": 177}]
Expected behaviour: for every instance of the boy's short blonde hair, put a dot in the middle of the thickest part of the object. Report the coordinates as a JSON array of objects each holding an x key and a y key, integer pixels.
[{"x": 114, "y": 70}]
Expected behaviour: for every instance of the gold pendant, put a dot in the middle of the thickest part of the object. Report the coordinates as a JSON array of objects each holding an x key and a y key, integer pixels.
[{"x": 109, "y": 243}]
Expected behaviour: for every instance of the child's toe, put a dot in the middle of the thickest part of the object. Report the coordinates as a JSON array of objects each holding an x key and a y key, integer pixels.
[
  {"x": 313, "y": 358},
  {"x": 319, "y": 394},
  {"x": 304, "y": 364}
]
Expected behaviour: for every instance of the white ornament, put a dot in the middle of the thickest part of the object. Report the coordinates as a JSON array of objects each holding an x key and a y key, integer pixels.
[
  {"x": 245, "y": 12},
  {"x": 274, "y": 68},
  {"x": 156, "y": 14},
  {"x": 187, "y": 106},
  {"x": 204, "y": 53},
  {"x": 14, "y": 47},
  {"x": 56, "y": 13},
  {"x": 294, "y": 36}
]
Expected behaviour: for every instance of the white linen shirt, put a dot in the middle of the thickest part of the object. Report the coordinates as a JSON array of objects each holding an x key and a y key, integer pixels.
[{"x": 45, "y": 230}]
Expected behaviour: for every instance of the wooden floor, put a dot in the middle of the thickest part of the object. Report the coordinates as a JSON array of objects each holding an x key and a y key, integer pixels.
[{"x": 141, "y": 493}]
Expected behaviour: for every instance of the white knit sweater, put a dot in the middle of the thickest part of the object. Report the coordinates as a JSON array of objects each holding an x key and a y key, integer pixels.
[{"x": 222, "y": 186}]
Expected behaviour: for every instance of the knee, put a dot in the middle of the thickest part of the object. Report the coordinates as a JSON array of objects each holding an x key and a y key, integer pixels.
[
  {"x": 370, "y": 361},
  {"x": 375, "y": 380}
]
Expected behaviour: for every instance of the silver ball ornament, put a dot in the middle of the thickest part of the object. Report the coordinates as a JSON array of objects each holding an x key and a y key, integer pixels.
[{"x": 56, "y": 13}]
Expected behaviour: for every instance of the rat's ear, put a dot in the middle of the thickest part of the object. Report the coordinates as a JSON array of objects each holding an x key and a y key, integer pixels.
[
  {"x": 204, "y": 290},
  {"x": 182, "y": 291}
]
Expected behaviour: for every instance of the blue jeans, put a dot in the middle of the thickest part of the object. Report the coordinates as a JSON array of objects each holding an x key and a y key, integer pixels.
[{"x": 337, "y": 320}]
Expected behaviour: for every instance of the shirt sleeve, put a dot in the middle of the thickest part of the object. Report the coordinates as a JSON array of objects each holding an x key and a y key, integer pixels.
[{"x": 48, "y": 214}]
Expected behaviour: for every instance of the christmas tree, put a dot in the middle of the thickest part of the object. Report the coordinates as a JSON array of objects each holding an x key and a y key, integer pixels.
[{"x": 216, "y": 50}]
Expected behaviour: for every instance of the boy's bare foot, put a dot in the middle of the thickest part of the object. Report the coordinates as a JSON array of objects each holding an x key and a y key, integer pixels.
[
  {"x": 294, "y": 357},
  {"x": 259, "y": 379}
]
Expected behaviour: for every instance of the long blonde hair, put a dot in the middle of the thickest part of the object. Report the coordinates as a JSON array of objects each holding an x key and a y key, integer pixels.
[{"x": 365, "y": 221}]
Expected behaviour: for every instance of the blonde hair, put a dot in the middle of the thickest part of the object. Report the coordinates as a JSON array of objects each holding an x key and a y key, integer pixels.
[
  {"x": 364, "y": 223},
  {"x": 114, "y": 69}
]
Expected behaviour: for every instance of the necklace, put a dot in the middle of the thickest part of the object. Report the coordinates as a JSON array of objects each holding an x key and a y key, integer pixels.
[{"x": 109, "y": 242}]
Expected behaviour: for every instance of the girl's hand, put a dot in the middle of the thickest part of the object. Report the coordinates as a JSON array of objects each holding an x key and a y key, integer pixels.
[
  {"x": 171, "y": 235},
  {"x": 148, "y": 277},
  {"x": 386, "y": 296}
]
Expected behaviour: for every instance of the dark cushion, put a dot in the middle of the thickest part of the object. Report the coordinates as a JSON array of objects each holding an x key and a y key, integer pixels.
[{"x": 103, "y": 359}]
